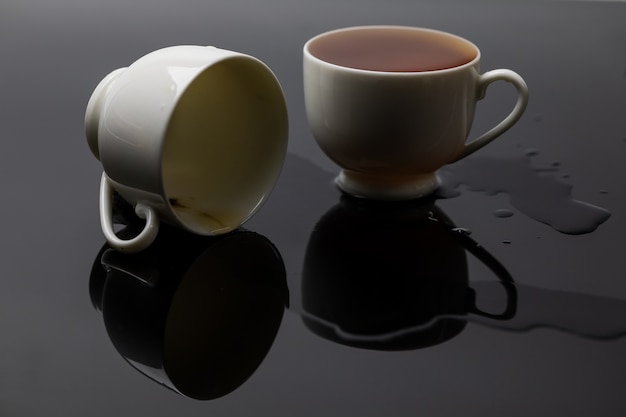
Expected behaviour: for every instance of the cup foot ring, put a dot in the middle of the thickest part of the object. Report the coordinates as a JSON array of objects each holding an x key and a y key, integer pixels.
[{"x": 396, "y": 188}]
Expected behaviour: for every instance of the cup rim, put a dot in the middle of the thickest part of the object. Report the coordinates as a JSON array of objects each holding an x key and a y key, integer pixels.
[
  {"x": 281, "y": 139},
  {"x": 310, "y": 56}
]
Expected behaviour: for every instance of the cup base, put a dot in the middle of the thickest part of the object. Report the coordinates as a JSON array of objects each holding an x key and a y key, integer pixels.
[{"x": 377, "y": 187}]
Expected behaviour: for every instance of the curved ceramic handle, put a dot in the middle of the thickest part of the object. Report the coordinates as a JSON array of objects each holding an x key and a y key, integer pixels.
[
  {"x": 522, "y": 101},
  {"x": 139, "y": 242}
]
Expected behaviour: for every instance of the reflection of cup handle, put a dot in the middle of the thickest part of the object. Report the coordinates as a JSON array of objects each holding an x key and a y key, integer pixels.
[
  {"x": 139, "y": 242},
  {"x": 504, "y": 277},
  {"x": 522, "y": 101},
  {"x": 511, "y": 303},
  {"x": 146, "y": 273}
]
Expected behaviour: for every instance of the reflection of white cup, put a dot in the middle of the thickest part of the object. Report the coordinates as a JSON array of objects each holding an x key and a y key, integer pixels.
[
  {"x": 392, "y": 104},
  {"x": 192, "y": 135}
]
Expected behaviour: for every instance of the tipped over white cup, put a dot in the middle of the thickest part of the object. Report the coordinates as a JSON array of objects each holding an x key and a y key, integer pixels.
[{"x": 195, "y": 136}]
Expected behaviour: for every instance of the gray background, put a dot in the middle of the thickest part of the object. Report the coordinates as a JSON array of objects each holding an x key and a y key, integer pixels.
[{"x": 55, "y": 357}]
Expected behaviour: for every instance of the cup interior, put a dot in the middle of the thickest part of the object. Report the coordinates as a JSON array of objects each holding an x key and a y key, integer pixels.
[
  {"x": 392, "y": 49},
  {"x": 224, "y": 145}
]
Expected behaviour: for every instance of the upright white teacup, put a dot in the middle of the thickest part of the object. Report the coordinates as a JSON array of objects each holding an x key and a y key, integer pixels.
[
  {"x": 392, "y": 104},
  {"x": 192, "y": 135}
]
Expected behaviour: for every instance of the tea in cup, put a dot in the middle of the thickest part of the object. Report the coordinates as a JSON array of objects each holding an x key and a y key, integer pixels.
[
  {"x": 393, "y": 104},
  {"x": 192, "y": 135}
]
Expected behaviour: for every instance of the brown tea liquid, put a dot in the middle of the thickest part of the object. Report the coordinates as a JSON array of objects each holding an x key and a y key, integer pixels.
[{"x": 392, "y": 49}]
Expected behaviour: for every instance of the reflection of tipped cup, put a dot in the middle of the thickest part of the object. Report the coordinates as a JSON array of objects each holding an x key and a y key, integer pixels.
[
  {"x": 196, "y": 314},
  {"x": 390, "y": 276}
]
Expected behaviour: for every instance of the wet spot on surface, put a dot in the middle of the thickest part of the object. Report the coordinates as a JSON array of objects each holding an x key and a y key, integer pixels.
[
  {"x": 503, "y": 213},
  {"x": 536, "y": 192},
  {"x": 531, "y": 152}
]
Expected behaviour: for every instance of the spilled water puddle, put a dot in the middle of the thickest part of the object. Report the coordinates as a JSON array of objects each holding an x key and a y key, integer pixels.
[{"x": 537, "y": 192}]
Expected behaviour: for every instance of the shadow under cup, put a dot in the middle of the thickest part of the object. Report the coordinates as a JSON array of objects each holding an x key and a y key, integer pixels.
[{"x": 224, "y": 146}]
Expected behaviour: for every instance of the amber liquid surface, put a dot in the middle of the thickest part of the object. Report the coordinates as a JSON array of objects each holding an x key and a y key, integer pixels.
[{"x": 392, "y": 49}]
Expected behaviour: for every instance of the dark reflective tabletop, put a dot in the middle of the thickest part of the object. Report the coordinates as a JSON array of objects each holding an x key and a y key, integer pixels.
[{"x": 504, "y": 294}]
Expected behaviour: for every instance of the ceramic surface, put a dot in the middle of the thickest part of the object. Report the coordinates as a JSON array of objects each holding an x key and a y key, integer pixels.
[
  {"x": 390, "y": 131},
  {"x": 192, "y": 135}
]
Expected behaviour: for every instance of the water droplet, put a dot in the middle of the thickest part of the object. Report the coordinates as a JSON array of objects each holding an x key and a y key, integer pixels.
[
  {"x": 531, "y": 152},
  {"x": 503, "y": 213},
  {"x": 462, "y": 230}
]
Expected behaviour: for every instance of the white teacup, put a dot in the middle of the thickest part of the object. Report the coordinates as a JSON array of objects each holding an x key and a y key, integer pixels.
[
  {"x": 192, "y": 135},
  {"x": 392, "y": 104}
]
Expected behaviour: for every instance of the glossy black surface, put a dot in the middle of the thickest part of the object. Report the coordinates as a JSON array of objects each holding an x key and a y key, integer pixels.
[{"x": 323, "y": 305}]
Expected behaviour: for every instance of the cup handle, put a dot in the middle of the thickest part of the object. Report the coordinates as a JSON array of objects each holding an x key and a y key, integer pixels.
[
  {"x": 139, "y": 242},
  {"x": 515, "y": 114}
]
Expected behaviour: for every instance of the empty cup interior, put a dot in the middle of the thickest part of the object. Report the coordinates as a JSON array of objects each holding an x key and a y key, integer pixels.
[{"x": 224, "y": 145}]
